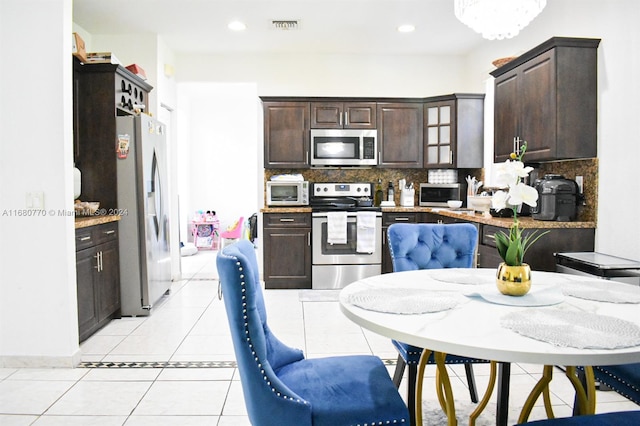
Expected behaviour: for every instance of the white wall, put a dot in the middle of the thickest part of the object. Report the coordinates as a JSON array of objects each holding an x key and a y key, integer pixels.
[
  {"x": 221, "y": 166},
  {"x": 330, "y": 75},
  {"x": 38, "y": 314}
]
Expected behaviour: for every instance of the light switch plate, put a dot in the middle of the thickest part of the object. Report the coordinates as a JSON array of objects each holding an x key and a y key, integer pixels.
[{"x": 35, "y": 200}]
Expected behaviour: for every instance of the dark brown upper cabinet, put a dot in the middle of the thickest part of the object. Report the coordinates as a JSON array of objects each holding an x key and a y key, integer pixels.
[
  {"x": 286, "y": 134},
  {"x": 101, "y": 93},
  {"x": 548, "y": 98},
  {"x": 400, "y": 134},
  {"x": 343, "y": 115},
  {"x": 454, "y": 131}
]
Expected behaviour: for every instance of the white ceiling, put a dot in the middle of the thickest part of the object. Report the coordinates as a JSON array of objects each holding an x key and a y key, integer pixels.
[{"x": 326, "y": 26}]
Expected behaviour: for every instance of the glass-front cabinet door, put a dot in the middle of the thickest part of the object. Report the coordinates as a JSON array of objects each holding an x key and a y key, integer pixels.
[{"x": 439, "y": 134}]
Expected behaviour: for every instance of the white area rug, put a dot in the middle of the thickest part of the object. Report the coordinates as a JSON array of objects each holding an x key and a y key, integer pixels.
[{"x": 432, "y": 414}]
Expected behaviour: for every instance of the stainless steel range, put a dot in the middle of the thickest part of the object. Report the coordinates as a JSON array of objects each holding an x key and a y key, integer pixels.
[{"x": 346, "y": 234}]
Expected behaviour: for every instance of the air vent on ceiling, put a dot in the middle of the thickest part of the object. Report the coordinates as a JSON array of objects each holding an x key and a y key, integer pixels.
[{"x": 285, "y": 25}]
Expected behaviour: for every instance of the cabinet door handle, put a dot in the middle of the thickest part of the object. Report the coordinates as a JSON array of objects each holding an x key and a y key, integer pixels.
[
  {"x": 98, "y": 258},
  {"x": 450, "y": 157},
  {"x": 309, "y": 239},
  {"x": 401, "y": 219},
  {"x": 340, "y": 118},
  {"x": 346, "y": 118},
  {"x": 284, "y": 219},
  {"x": 110, "y": 232},
  {"x": 87, "y": 238}
]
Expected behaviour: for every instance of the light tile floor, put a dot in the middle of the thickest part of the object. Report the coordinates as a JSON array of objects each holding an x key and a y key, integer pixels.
[{"x": 189, "y": 329}]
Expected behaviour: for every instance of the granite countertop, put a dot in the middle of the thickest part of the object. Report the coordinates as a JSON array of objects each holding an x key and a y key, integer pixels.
[
  {"x": 86, "y": 221},
  {"x": 502, "y": 222},
  {"x": 285, "y": 210}
]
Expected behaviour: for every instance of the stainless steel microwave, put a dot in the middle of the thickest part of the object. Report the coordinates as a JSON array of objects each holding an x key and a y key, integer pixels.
[
  {"x": 287, "y": 193},
  {"x": 344, "y": 147},
  {"x": 437, "y": 194}
]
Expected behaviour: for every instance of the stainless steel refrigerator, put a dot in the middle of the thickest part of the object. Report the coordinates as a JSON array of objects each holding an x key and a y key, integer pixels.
[{"x": 143, "y": 202}]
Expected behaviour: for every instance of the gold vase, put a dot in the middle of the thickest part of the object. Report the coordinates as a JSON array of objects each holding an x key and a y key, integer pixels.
[{"x": 513, "y": 280}]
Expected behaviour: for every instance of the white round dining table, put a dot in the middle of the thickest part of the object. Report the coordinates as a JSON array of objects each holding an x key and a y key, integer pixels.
[{"x": 461, "y": 312}]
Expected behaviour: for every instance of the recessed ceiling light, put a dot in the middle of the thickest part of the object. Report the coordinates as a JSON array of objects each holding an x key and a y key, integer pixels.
[
  {"x": 237, "y": 26},
  {"x": 406, "y": 28}
]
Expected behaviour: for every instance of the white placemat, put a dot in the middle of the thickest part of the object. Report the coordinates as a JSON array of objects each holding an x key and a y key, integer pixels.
[
  {"x": 403, "y": 300},
  {"x": 601, "y": 290},
  {"x": 575, "y": 329},
  {"x": 537, "y": 296},
  {"x": 460, "y": 276}
]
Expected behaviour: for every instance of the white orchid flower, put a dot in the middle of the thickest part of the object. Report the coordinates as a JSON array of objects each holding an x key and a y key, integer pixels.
[
  {"x": 510, "y": 172},
  {"x": 499, "y": 200},
  {"x": 521, "y": 193}
]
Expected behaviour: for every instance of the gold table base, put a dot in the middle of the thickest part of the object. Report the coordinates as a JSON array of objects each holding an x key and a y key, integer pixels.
[{"x": 585, "y": 396}]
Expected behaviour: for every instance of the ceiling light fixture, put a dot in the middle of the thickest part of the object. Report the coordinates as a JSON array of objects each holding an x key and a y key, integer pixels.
[
  {"x": 237, "y": 26},
  {"x": 498, "y": 19},
  {"x": 406, "y": 28}
]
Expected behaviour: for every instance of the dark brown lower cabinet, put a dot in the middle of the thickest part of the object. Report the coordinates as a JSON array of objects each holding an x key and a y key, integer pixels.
[
  {"x": 389, "y": 219},
  {"x": 541, "y": 254},
  {"x": 287, "y": 250},
  {"x": 98, "y": 277}
]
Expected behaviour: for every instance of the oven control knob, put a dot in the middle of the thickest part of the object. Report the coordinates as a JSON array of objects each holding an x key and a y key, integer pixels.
[{"x": 359, "y": 189}]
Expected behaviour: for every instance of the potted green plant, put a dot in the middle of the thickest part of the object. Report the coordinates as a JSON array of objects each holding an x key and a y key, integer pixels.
[{"x": 514, "y": 276}]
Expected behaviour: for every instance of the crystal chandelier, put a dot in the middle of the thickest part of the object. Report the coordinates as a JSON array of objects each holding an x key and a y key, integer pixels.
[{"x": 498, "y": 19}]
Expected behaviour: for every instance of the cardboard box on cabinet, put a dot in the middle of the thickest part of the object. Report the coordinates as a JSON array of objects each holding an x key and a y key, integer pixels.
[
  {"x": 137, "y": 70},
  {"x": 78, "y": 48}
]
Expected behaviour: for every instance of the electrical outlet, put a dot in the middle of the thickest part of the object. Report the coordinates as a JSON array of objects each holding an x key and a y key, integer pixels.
[{"x": 580, "y": 182}]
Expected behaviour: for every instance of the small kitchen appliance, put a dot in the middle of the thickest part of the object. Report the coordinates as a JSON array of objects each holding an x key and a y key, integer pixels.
[
  {"x": 344, "y": 147},
  {"x": 437, "y": 194},
  {"x": 287, "y": 193},
  {"x": 557, "y": 199}
]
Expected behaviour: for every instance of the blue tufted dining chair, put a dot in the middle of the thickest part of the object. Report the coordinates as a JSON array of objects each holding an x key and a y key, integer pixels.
[
  {"x": 620, "y": 418},
  {"x": 623, "y": 379},
  {"x": 430, "y": 246},
  {"x": 280, "y": 386}
]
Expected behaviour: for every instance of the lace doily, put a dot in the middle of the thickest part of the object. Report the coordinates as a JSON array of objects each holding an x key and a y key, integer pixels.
[
  {"x": 458, "y": 276},
  {"x": 403, "y": 300},
  {"x": 601, "y": 290},
  {"x": 574, "y": 329}
]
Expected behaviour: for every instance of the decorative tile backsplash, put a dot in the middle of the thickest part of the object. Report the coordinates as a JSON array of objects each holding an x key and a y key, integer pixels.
[{"x": 588, "y": 168}]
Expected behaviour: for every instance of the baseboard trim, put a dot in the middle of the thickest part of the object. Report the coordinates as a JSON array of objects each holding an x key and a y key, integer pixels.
[{"x": 41, "y": 361}]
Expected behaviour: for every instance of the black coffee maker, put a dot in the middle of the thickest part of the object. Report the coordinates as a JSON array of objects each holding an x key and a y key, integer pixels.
[{"x": 557, "y": 199}]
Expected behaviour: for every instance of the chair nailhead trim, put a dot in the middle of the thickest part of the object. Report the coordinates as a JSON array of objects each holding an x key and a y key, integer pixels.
[
  {"x": 623, "y": 381},
  {"x": 248, "y": 339}
]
